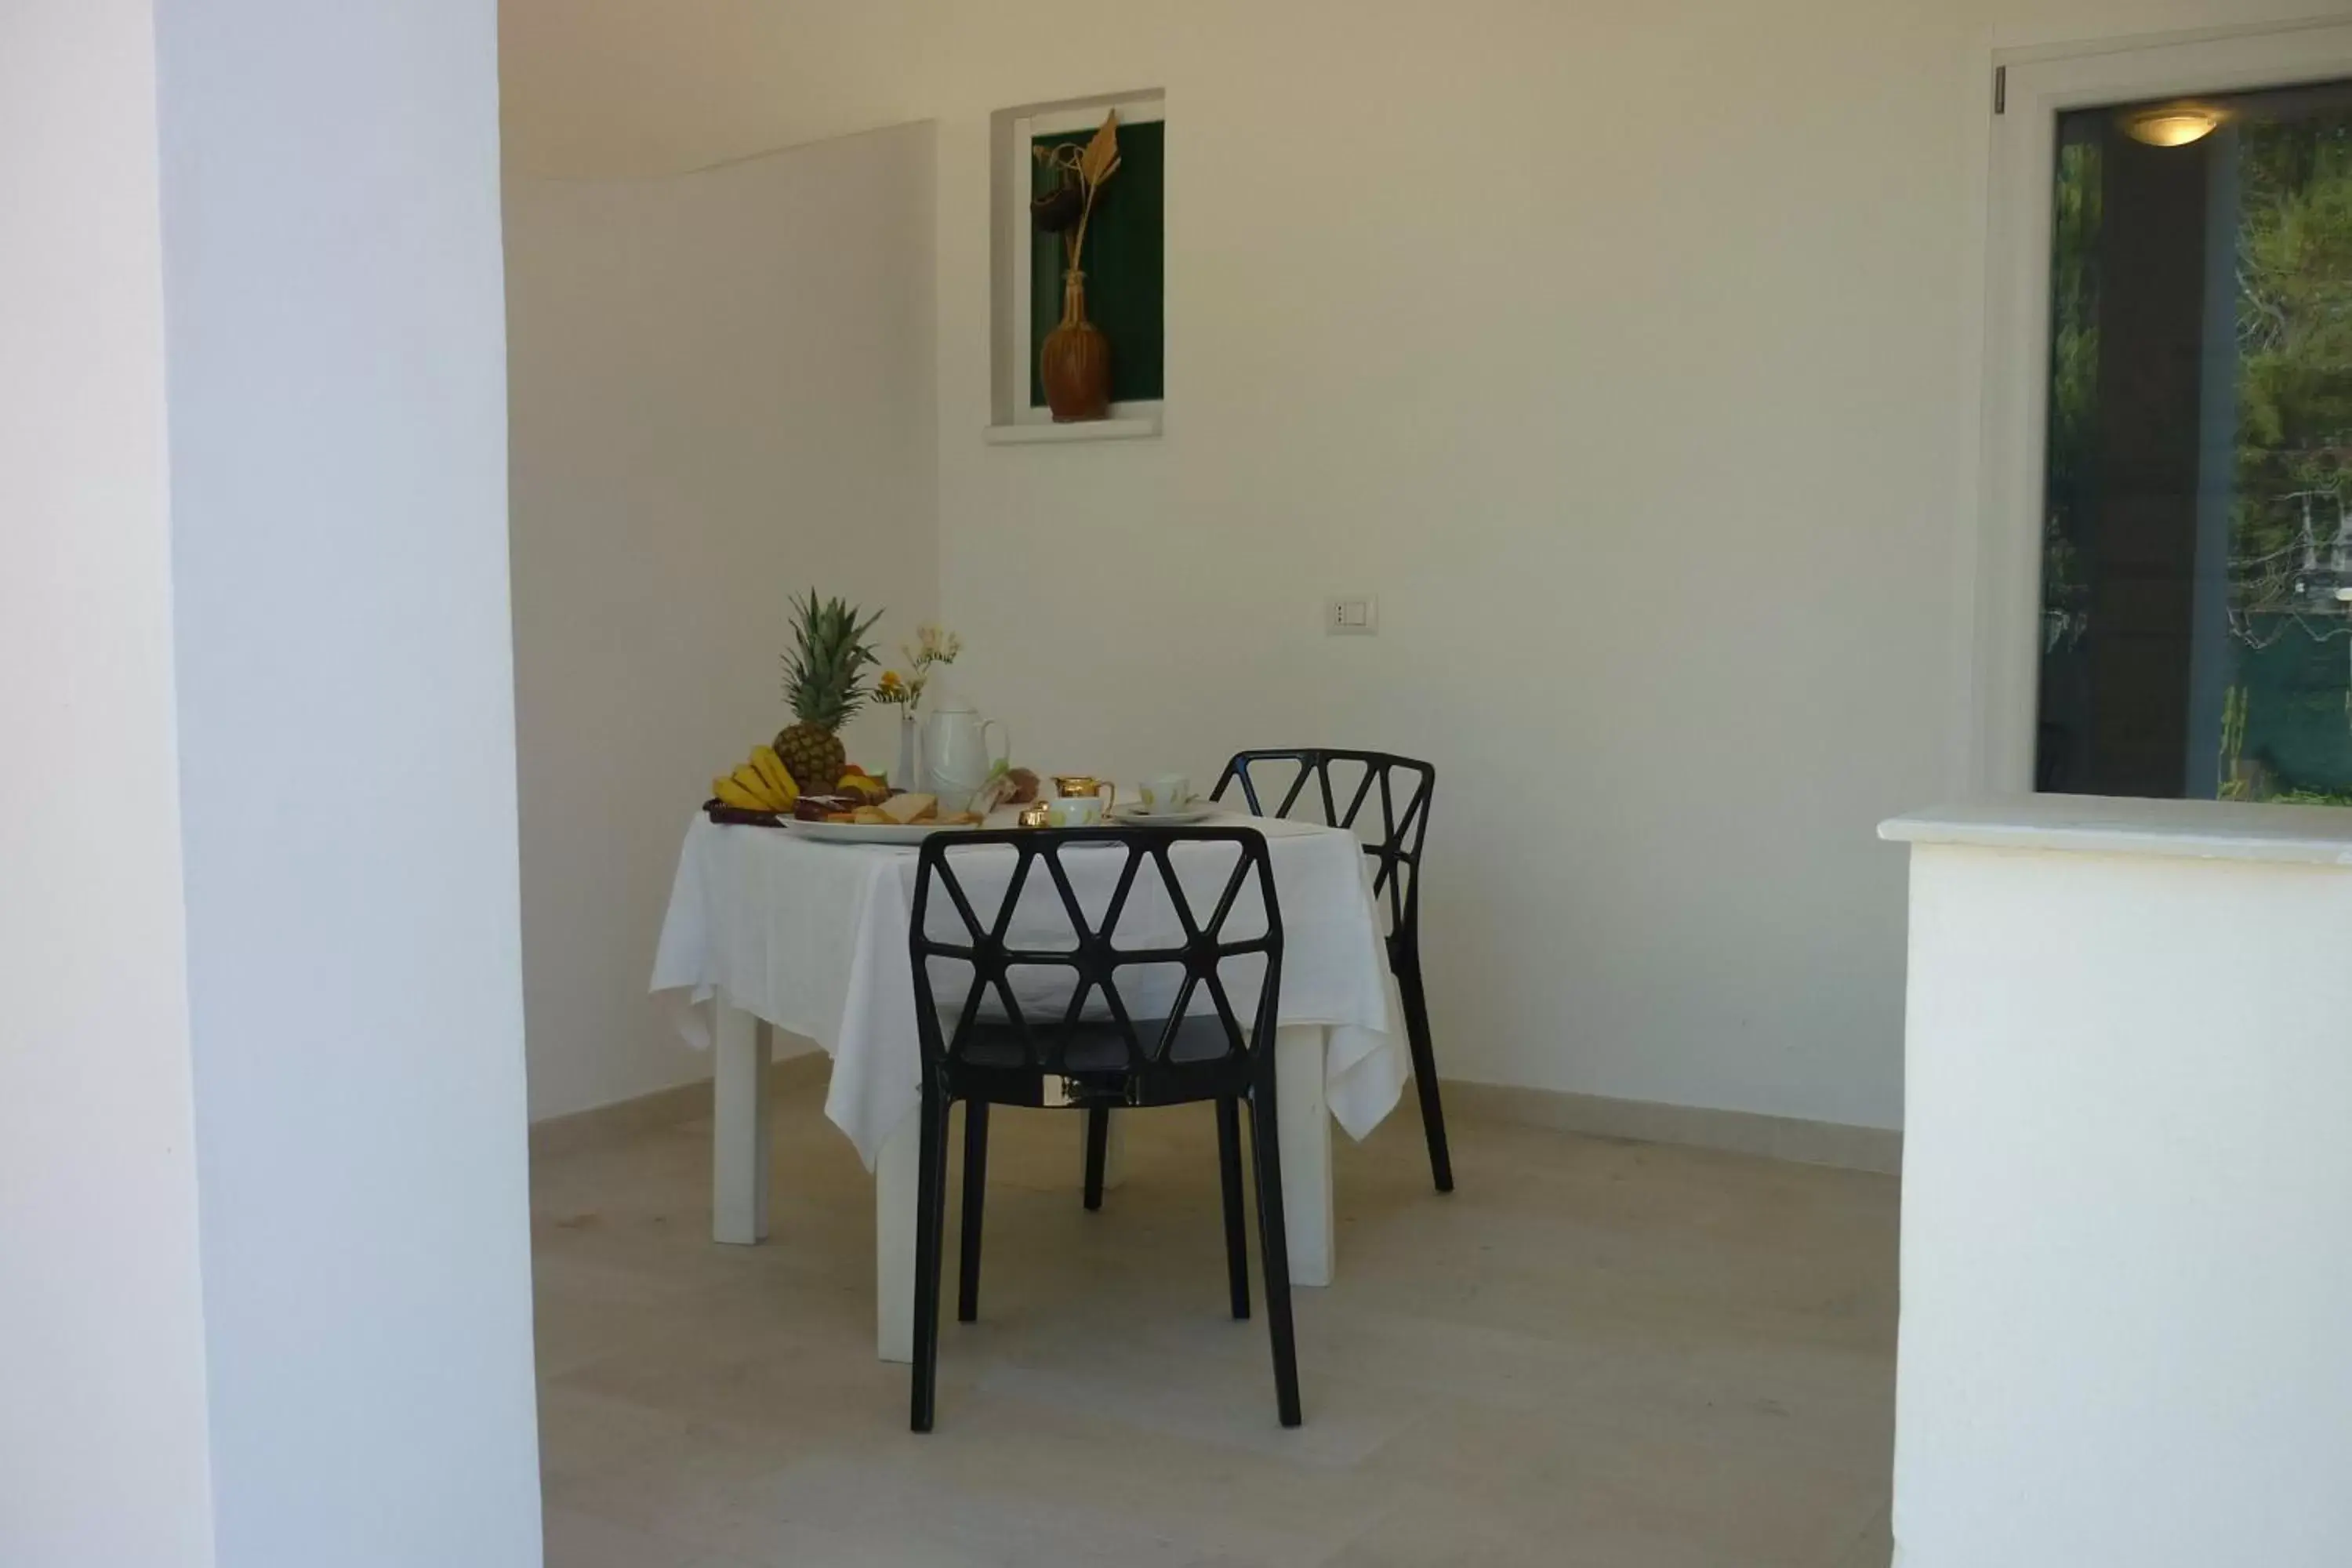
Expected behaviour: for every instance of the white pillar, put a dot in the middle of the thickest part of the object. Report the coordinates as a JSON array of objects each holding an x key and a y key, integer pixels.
[
  {"x": 104, "y": 1452},
  {"x": 260, "y": 999}
]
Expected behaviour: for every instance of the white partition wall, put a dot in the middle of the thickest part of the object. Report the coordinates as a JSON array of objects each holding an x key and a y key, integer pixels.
[
  {"x": 265, "y": 1262},
  {"x": 2127, "y": 1192},
  {"x": 722, "y": 398}
]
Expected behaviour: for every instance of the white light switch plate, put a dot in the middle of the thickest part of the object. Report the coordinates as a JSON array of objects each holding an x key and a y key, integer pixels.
[{"x": 1355, "y": 617}]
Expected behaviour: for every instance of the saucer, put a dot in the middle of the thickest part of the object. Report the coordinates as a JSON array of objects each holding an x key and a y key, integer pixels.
[{"x": 1198, "y": 811}]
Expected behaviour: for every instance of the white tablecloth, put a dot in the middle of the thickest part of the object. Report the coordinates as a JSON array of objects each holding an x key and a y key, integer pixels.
[{"x": 812, "y": 937}]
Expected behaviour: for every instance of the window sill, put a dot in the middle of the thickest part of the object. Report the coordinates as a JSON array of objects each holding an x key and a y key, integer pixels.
[{"x": 1040, "y": 432}]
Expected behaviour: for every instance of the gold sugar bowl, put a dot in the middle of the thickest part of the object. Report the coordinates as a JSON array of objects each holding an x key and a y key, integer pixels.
[{"x": 1070, "y": 786}]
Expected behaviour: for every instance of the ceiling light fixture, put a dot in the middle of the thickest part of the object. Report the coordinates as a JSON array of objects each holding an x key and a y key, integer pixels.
[{"x": 2175, "y": 125}]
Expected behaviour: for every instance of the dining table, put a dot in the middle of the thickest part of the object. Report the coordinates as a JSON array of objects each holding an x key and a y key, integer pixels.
[{"x": 772, "y": 929}]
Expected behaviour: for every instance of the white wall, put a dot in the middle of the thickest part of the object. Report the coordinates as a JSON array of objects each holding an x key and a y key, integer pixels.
[
  {"x": 2126, "y": 1193},
  {"x": 336, "y": 378},
  {"x": 722, "y": 395},
  {"x": 102, "y": 1438},
  {"x": 1625, "y": 351}
]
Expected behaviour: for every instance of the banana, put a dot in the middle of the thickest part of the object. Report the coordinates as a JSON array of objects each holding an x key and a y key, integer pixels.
[
  {"x": 729, "y": 793},
  {"x": 735, "y": 793},
  {"x": 770, "y": 767},
  {"x": 759, "y": 788}
]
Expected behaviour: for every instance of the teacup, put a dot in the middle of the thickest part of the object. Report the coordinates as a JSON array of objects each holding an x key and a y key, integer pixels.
[
  {"x": 1164, "y": 794},
  {"x": 1068, "y": 785},
  {"x": 1075, "y": 811}
]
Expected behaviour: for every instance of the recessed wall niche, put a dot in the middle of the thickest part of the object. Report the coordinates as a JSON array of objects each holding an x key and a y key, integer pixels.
[{"x": 1064, "y": 190}]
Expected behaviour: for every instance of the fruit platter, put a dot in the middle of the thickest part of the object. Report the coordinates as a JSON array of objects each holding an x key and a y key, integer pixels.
[
  {"x": 868, "y": 830},
  {"x": 859, "y": 806},
  {"x": 804, "y": 780}
]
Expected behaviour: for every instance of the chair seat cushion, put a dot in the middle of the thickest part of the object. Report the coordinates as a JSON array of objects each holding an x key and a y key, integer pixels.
[{"x": 1089, "y": 1045}]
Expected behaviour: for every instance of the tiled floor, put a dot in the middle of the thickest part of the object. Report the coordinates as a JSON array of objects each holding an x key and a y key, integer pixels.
[{"x": 1615, "y": 1354}]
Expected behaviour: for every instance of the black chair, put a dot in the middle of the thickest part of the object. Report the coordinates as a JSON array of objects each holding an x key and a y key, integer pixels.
[
  {"x": 984, "y": 1050},
  {"x": 1403, "y": 787}
]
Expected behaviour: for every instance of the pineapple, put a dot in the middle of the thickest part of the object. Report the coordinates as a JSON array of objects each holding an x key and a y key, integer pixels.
[{"x": 821, "y": 681}]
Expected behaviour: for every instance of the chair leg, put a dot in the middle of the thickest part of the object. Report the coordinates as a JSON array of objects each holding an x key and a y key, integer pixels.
[
  {"x": 975, "y": 1196},
  {"x": 1274, "y": 1247},
  {"x": 931, "y": 1221},
  {"x": 1424, "y": 1066},
  {"x": 1098, "y": 1152},
  {"x": 1229, "y": 1171}
]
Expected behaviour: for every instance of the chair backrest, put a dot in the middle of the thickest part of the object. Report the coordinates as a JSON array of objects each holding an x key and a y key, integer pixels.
[
  {"x": 1403, "y": 786},
  {"x": 999, "y": 942}
]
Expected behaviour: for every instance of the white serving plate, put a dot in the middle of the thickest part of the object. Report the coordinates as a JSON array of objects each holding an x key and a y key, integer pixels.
[
  {"x": 1134, "y": 815},
  {"x": 873, "y": 832}
]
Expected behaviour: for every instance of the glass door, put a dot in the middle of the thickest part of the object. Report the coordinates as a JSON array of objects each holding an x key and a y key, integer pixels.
[{"x": 2196, "y": 613}]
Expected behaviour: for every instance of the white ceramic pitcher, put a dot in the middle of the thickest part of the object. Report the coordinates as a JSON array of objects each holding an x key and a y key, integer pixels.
[{"x": 956, "y": 758}]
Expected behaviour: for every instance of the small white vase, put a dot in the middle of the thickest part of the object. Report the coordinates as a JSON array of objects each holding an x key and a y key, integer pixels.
[{"x": 909, "y": 774}]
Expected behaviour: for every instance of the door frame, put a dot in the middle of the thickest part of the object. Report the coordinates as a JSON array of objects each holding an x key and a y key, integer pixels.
[{"x": 2032, "y": 87}]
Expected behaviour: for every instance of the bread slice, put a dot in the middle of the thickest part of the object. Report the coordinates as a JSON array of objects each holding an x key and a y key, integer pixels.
[{"x": 911, "y": 807}]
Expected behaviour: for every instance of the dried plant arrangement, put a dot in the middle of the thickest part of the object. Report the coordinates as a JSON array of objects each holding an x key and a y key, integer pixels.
[
  {"x": 1080, "y": 174},
  {"x": 1074, "y": 362}
]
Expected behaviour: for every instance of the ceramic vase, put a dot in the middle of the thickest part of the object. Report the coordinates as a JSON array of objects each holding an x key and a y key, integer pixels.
[
  {"x": 1075, "y": 360},
  {"x": 909, "y": 774}
]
